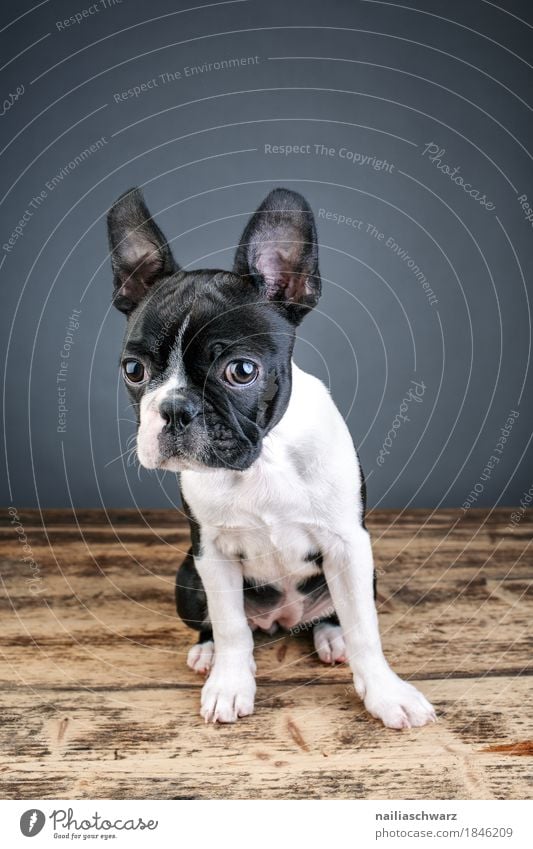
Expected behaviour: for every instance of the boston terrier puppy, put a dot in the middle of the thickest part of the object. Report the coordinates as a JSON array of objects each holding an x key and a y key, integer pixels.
[{"x": 269, "y": 477}]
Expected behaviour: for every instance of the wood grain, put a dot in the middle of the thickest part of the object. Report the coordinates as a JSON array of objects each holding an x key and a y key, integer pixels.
[{"x": 97, "y": 701}]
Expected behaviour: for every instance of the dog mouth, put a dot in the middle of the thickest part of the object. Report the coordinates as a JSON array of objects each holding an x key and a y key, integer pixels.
[
  {"x": 209, "y": 460},
  {"x": 180, "y": 463},
  {"x": 196, "y": 453}
]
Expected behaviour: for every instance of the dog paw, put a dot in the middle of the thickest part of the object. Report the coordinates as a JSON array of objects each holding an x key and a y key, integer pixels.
[
  {"x": 201, "y": 657},
  {"x": 399, "y": 705},
  {"x": 227, "y": 695},
  {"x": 329, "y": 643}
]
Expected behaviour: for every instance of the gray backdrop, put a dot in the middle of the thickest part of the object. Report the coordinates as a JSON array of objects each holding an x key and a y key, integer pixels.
[{"x": 412, "y": 122}]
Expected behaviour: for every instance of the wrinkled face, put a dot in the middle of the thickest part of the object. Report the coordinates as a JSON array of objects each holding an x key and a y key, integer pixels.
[
  {"x": 207, "y": 354},
  {"x": 208, "y": 372}
]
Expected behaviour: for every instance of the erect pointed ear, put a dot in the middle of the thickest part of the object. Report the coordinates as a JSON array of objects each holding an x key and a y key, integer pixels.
[
  {"x": 279, "y": 245},
  {"x": 140, "y": 255}
]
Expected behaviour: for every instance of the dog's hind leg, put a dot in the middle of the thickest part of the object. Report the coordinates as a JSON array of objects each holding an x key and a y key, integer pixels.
[
  {"x": 329, "y": 641},
  {"x": 200, "y": 657}
]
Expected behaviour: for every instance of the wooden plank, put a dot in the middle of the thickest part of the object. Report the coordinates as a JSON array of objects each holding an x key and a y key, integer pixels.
[
  {"x": 439, "y": 628},
  {"x": 303, "y": 742},
  {"x": 139, "y": 643},
  {"x": 108, "y": 605},
  {"x": 400, "y": 556},
  {"x": 97, "y": 700}
]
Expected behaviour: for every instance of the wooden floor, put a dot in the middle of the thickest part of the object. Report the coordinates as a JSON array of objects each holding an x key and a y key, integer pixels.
[{"x": 97, "y": 702}]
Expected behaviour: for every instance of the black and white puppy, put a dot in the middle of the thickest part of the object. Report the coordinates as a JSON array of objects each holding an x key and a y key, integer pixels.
[{"x": 269, "y": 477}]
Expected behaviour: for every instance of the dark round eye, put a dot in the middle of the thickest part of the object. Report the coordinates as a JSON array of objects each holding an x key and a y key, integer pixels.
[
  {"x": 133, "y": 371},
  {"x": 241, "y": 372}
]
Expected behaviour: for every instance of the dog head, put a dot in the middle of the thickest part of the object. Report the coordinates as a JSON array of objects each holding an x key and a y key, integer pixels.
[{"x": 207, "y": 354}]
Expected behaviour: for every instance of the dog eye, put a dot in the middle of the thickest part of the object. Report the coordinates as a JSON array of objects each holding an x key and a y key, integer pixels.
[
  {"x": 133, "y": 371},
  {"x": 241, "y": 372}
]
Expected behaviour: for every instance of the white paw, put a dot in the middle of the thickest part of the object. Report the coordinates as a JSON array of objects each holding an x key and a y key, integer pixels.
[
  {"x": 227, "y": 695},
  {"x": 398, "y": 704},
  {"x": 329, "y": 643},
  {"x": 201, "y": 656}
]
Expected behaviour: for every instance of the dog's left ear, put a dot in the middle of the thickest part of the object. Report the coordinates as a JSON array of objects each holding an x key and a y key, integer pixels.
[
  {"x": 140, "y": 255},
  {"x": 279, "y": 245}
]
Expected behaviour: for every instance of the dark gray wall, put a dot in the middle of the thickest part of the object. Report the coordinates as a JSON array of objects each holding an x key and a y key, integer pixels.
[{"x": 376, "y": 79}]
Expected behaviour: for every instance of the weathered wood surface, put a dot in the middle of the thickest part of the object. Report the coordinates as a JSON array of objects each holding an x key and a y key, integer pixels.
[{"x": 97, "y": 701}]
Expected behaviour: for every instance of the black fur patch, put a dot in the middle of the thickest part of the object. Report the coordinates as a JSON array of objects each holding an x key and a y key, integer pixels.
[
  {"x": 314, "y": 585},
  {"x": 314, "y": 557},
  {"x": 331, "y": 620},
  {"x": 191, "y": 599},
  {"x": 194, "y": 525},
  {"x": 261, "y": 593},
  {"x": 205, "y": 635},
  {"x": 363, "y": 493}
]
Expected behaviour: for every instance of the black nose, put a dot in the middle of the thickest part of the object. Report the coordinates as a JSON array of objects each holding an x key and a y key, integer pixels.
[{"x": 178, "y": 411}]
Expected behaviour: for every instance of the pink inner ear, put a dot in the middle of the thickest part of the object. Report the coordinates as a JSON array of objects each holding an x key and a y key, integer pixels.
[
  {"x": 278, "y": 267},
  {"x": 133, "y": 289},
  {"x": 142, "y": 270}
]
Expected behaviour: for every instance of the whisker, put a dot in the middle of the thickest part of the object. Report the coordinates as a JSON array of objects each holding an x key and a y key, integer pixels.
[{"x": 114, "y": 460}]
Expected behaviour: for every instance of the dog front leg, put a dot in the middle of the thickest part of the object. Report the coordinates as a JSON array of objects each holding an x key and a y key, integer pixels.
[
  {"x": 230, "y": 689},
  {"x": 349, "y": 570}
]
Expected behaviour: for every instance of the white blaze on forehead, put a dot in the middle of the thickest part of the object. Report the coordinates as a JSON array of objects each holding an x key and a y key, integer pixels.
[
  {"x": 151, "y": 420},
  {"x": 175, "y": 361}
]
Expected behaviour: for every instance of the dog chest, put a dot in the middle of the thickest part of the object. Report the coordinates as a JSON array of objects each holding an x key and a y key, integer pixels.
[{"x": 270, "y": 552}]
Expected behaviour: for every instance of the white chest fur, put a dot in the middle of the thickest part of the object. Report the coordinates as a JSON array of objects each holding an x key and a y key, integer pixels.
[{"x": 303, "y": 488}]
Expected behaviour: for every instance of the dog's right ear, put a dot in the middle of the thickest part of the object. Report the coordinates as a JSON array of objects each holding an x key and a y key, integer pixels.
[{"x": 140, "y": 255}]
